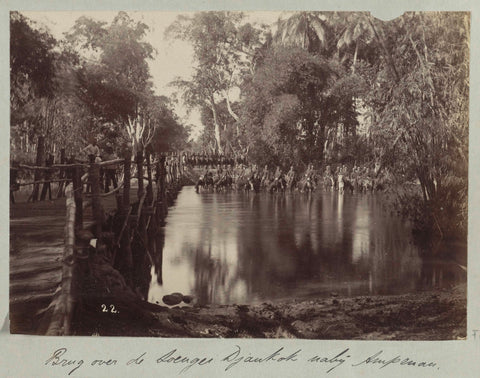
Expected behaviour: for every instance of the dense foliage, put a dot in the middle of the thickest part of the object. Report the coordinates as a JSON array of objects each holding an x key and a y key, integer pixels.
[
  {"x": 94, "y": 82},
  {"x": 343, "y": 88}
]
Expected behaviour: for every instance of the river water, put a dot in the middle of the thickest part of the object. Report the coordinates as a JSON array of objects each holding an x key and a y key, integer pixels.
[{"x": 236, "y": 247}]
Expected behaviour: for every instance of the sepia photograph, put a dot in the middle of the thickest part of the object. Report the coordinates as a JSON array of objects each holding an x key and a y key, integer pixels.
[{"x": 227, "y": 174}]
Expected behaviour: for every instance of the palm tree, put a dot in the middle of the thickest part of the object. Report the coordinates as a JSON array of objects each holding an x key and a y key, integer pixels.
[
  {"x": 305, "y": 29},
  {"x": 357, "y": 30},
  {"x": 362, "y": 27}
]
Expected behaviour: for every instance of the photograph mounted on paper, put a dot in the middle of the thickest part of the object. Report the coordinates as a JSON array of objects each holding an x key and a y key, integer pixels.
[{"x": 250, "y": 175}]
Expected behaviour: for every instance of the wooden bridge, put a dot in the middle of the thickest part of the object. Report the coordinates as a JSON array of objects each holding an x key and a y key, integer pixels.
[{"x": 63, "y": 249}]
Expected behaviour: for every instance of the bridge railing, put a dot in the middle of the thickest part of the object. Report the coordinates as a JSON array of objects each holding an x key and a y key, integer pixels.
[
  {"x": 83, "y": 185},
  {"x": 25, "y": 175}
]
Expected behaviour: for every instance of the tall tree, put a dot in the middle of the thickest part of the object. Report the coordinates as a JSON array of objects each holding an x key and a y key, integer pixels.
[
  {"x": 291, "y": 101},
  {"x": 357, "y": 31},
  {"x": 224, "y": 48},
  {"x": 423, "y": 115},
  {"x": 307, "y": 30},
  {"x": 32, "y": 84},
  {"x": 32, "y": 60},
  {"x": 117, "y": 85}
]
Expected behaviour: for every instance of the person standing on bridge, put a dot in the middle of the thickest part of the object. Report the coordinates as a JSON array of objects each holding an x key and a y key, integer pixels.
[
  {"x": 93, "y": 154},
  {"x": 92, "y": 151}
]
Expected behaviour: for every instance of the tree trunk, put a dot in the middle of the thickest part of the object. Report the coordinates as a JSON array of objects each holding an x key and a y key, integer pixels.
[
  {"x": 235, "y": 116},
  {"x": 388, "y": 56},
  {"x": 304, "y": 42},
  {"x": 321, "y": 145},
  {"x": 217, "y": 127},
  {"x": 355, "y": 57}
]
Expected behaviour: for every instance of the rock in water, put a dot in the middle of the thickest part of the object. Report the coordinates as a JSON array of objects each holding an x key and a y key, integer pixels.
[
  {"x": 187, "y": 298},
  {"x": 172, "y": 299}
]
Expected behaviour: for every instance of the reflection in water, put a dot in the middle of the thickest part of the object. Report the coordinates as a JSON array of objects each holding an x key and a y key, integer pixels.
[{"x": 240, "y": 247}]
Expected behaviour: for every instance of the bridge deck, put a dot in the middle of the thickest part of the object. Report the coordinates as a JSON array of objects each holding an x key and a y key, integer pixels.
[{"x": 36, "y": 249}]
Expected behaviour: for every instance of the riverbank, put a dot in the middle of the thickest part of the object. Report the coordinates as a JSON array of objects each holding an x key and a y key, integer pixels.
[{"x": 429, "y": 315}]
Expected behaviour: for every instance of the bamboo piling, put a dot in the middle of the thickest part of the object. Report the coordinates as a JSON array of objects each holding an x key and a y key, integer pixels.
[
  {"x": 60, "y": 324},
  {"x": 97, "y": 210},
  {"x": 140, "y": 222},
  {"x": 63, "y": 160},
  {"x": 77, "y": 193}
]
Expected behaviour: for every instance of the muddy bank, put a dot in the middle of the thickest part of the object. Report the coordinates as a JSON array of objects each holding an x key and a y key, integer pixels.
[{"x": 114, "y": 310}]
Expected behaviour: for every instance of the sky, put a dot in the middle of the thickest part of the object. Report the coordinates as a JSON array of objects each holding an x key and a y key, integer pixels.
[{"x": 173, "y": 58}]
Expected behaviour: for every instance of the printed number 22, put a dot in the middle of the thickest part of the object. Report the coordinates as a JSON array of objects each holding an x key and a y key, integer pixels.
[{"x": 110, "y": 309}]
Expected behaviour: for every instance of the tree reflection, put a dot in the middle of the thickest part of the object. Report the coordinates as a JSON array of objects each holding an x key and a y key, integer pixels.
[
  {"x": 210, "y": 275},
  {"x": 243, "y": 248},
  {"x": 158, "y": 255},
  {"x": 436, "y": 273}
]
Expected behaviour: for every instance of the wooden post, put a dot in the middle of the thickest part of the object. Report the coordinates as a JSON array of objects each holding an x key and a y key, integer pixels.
[
  {"x": 152, "y": 231},
  {"x": 140, "y": 253},
  {"x": 158, "y": 256},
  {"x": 13, "y": 183},
  {"x": 157, "y": 181},
  {"x": 63, "y": 160},
  {"x": 126, "y": 183},
  {"x": 119, "y": 202},
  {"x": 161, "y": 195},
  {"x": 174, "y": 170},
  {"x": 150, "y": 181},
  {"x": 126, "y": 262},
  {"x": 47, "y": 185},
  {"x": 77, "y": 193},
  {"x": 39, "y": 162},
  {"x": 140, "y": 174},
  {"x": 94, "y": 173}
]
